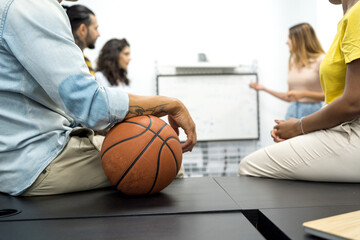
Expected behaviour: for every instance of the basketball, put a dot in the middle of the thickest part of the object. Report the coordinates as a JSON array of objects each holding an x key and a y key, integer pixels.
[{"x": 141, "y": 155}]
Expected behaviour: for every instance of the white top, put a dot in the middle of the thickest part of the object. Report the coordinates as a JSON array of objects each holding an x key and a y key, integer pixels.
[{"x": 100, "y": 77}]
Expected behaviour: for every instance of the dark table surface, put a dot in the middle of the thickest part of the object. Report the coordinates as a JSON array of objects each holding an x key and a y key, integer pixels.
[
  {"x": 209, "y": 226},
  {"x": 188, "y": 195},
  {"x": 256, "y": 193},
  {"x": 190, "y": 208},
  {"x": 289, "y": 220}
]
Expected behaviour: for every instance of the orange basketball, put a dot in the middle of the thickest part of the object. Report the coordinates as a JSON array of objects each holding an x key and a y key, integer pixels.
[{"x": 141, "y": 155}]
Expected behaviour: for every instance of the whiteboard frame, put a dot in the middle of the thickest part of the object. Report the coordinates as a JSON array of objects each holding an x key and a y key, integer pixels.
[{"x": 220, "y": 74}]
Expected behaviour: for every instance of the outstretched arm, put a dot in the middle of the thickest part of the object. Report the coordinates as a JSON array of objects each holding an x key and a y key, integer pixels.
[
  {"x": 161, "y": 106},
  {"x": 280, "y": 95}
]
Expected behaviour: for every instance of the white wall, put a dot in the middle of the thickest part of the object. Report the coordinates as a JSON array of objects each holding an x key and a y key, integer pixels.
[
  {"x": 327, "y": 17},
  {"x": 227, "y": 31}
]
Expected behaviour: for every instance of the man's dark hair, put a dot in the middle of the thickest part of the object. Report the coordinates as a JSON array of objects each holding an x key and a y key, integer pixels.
[{"x": 78, "y": 14}]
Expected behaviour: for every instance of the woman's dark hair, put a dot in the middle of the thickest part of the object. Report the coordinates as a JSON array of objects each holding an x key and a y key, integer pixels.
[
  {"x": 108, "y": 61},
  {"x": 78, "y": 14}
]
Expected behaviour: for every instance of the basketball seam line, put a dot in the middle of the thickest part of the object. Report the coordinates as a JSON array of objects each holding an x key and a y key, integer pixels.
[
  {"x": 158, "y": 162},
  {"x": 146, "y": 128},
  {"x": 137, "y": 158}
]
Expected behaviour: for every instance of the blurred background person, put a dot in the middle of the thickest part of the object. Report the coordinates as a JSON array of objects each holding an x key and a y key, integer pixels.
[
  {"x": 306, "y": 54},
  {"x": 112, "y": 64},
  {"x": 84, "y": 27}
]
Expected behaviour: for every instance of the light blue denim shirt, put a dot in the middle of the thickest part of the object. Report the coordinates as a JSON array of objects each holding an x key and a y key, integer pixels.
[{"x": 46, "y": 91}]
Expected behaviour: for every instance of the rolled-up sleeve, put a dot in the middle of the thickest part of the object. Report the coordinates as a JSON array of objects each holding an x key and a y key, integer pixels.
[
  {"x": 93, "y": 105},
  {"x": 118, "y": 104}
]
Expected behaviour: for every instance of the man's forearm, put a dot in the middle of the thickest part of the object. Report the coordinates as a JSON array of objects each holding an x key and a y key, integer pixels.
[{"x": 151, "y": 105}]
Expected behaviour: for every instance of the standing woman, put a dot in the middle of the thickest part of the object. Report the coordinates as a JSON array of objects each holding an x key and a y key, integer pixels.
[
  {"x": 112, "y": 64},
  {"x": 324, "y": 146},
  {"x": 306, "y": 54}
]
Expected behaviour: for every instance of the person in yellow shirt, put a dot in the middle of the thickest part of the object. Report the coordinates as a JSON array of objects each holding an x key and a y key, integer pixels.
[
  {"x": 324, "y": 146},
  {"x": 84, "y": 27}
]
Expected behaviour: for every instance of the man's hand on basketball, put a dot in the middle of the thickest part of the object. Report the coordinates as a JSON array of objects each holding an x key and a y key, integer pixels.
[
  {"x": 160, "y": 106},
  {"x": 181, "y": 118}
]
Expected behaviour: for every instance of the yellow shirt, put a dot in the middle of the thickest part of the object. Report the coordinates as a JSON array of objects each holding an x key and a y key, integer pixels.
[
  {"x": 344, "y": 49},
  {"x": 88, "y": 63}
]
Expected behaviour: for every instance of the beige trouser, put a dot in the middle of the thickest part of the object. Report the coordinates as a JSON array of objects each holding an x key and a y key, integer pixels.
[
  {"x": 328, "y": 155},
  {"x": 77, "y": 168}
]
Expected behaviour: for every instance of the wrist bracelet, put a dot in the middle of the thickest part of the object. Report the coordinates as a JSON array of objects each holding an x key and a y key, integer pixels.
[{"x": 301, "y": 126}]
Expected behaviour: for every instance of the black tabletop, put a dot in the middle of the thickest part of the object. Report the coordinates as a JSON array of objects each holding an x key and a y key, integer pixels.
[
  {"x": 176, "y": 227},
  {"x": 190, "y": 208},
  {"x": 256, "y": 193},
  {"x": 181, "y": 196}
]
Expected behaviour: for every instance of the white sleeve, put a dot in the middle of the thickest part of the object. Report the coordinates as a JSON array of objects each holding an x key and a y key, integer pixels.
[{"x": 99, "y": 76}]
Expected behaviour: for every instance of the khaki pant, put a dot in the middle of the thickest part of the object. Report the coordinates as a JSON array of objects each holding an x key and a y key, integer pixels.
[
  {"x": 77, "y": 168},
  {"x": 331, "y": 155}
]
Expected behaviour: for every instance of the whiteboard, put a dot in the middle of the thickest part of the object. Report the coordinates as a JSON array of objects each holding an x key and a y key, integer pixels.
[{"x": 222, "y": 106}]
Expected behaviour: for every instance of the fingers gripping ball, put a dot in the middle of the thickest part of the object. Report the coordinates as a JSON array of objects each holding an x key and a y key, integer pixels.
[{"x": 141, "y": 155}]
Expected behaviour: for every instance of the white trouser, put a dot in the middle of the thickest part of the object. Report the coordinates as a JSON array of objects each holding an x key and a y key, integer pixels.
[{"x": 327, "y": 155}]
